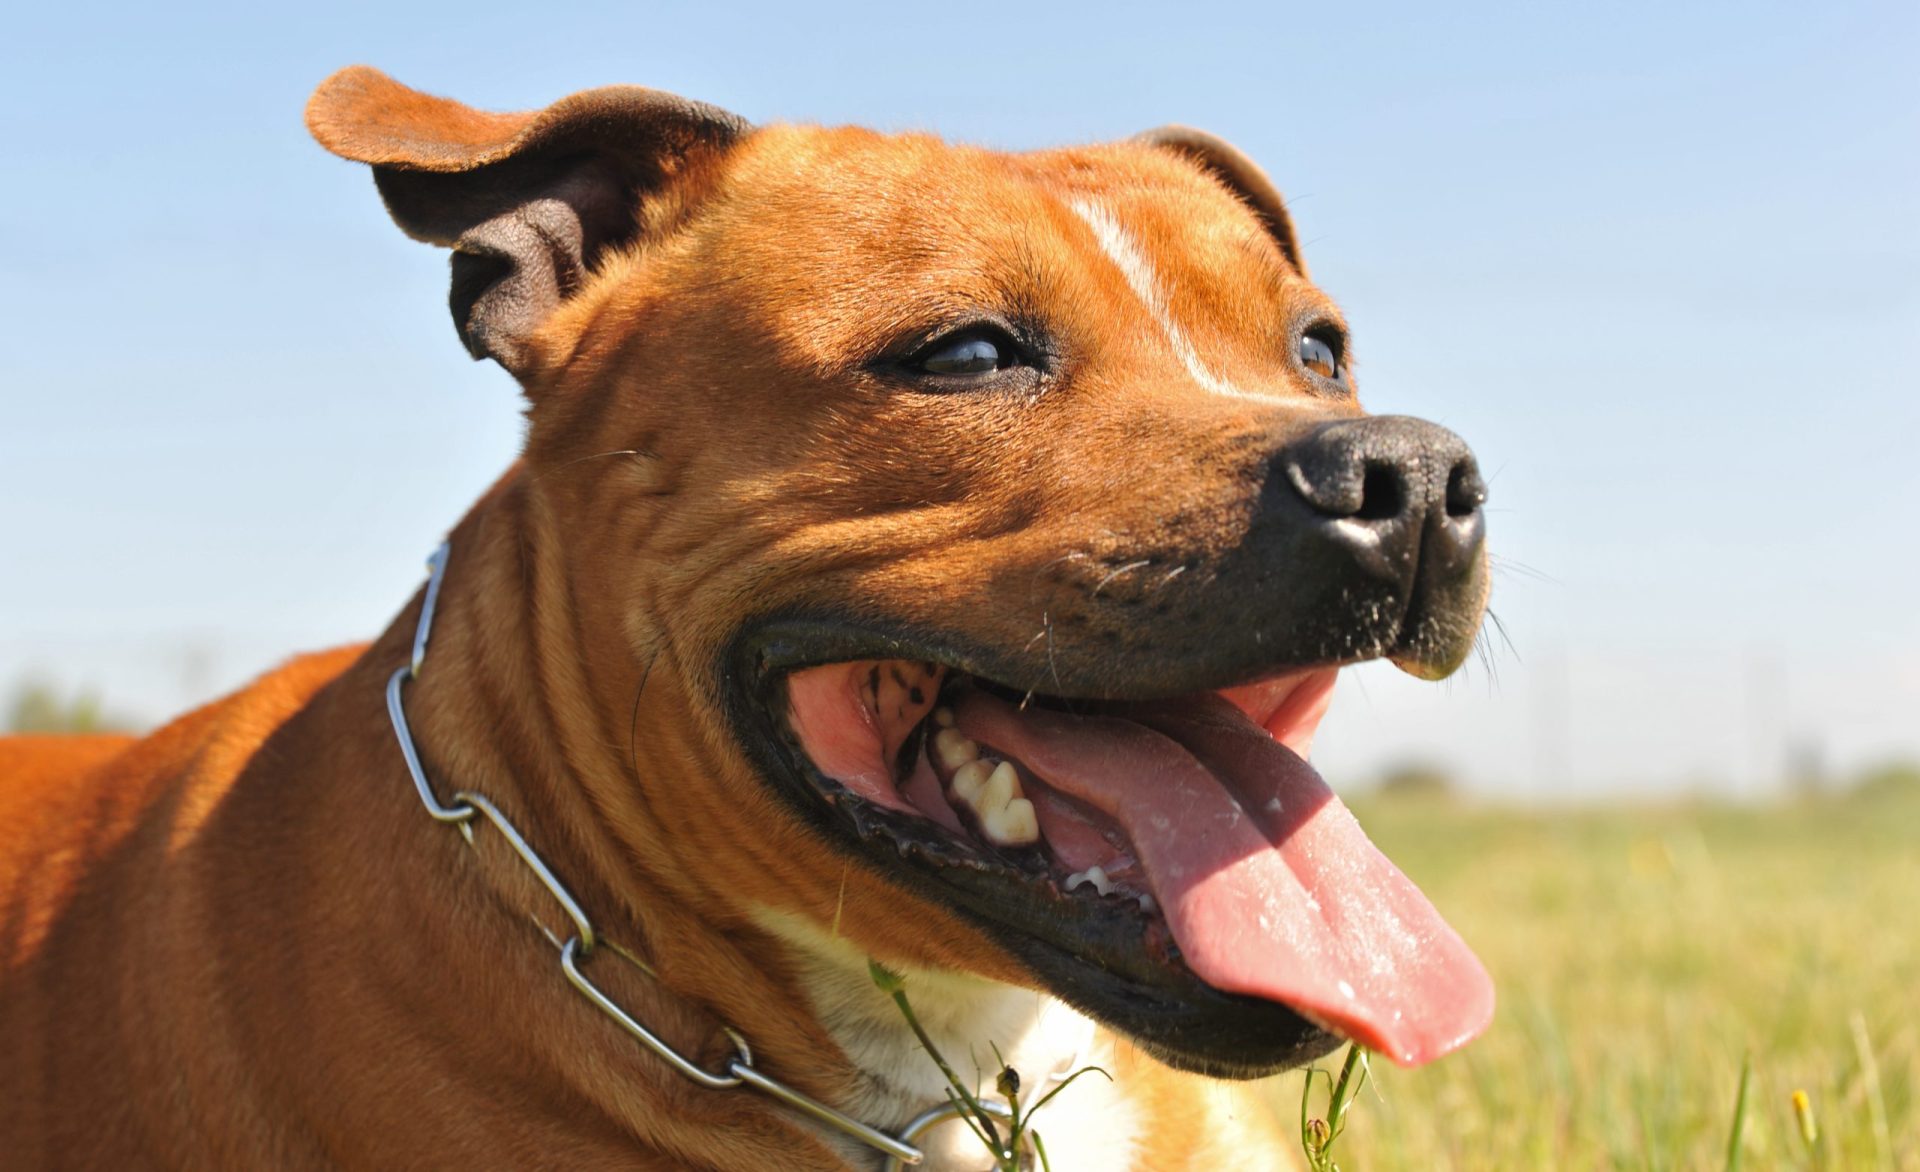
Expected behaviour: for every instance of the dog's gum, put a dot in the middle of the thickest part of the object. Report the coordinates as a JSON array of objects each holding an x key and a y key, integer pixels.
[{"x": 898, "y": 695}]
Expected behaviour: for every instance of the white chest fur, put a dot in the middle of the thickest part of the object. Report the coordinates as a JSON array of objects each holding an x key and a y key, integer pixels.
[{"x": 1089, "y": 1126}]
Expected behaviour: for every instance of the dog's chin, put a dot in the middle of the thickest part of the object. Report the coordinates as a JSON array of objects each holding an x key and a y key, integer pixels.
[{"x": 865, "y": 735}]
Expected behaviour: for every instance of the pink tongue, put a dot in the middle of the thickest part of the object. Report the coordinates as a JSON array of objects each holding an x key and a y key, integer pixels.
[{"x": 1270, "y": 886}]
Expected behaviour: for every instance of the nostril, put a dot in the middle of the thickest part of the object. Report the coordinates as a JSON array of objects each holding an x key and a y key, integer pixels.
[
  {"x": 1381, "y": 496},
  {"x": 1466, "y": 492}
]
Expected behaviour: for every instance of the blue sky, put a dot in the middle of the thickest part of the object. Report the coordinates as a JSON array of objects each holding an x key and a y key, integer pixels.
[{"x": 1659, "y": 263}]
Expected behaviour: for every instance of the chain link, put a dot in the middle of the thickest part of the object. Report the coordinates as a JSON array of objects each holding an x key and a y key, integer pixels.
[{"x": 580, "y": 947}]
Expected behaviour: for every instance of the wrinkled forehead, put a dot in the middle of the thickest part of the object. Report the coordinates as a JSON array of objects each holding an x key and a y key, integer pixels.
[{"x": 897, "y": 232}]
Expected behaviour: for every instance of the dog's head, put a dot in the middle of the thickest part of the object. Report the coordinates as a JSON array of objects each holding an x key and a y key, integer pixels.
[{"x": 989, "y": 528}]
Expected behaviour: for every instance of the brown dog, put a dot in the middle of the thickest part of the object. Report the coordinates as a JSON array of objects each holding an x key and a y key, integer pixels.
[{"x": 918, "y": 553}]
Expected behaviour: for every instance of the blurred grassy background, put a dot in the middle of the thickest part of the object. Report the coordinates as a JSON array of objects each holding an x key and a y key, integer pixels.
[{"x": 1640, "y": 953}]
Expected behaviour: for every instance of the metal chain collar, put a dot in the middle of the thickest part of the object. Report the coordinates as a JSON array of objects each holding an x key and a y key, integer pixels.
[{"x": 585, "y": 943}]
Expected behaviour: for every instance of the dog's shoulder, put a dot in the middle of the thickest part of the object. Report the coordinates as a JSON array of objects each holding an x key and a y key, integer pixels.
[{"x": 66, "y": 800}]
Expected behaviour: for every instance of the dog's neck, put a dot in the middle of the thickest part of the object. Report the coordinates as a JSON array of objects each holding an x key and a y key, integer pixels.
[
  {"x": 504, "y": 658},
  {"x": 506, "y": 705}
]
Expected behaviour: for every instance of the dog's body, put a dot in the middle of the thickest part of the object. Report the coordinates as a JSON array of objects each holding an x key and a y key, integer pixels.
[{"x": 241, "y": 942}]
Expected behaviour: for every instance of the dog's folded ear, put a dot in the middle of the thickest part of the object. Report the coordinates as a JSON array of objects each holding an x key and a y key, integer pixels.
[
  {"x": 1242, "y": 176},
  {"x": 527, "y": 201}
]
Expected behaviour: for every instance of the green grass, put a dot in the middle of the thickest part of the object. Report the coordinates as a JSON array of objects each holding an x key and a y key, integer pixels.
[{"x": 1641, "y": 955}]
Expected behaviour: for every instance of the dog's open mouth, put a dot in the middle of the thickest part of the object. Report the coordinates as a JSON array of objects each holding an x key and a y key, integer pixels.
[{"x": 1194, "y": 822}]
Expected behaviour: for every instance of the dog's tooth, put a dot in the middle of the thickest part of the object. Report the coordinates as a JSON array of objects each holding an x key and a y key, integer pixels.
[
  {"x": 1024, "y": 821},
  {"x": 1020, "y": 823},
  {"x": 943, "y": 717},
  {"x": 968, "y": 780},
  {"x": 953, "y": 748},
  {"x": 1002, "y": 786},
  {"x": 1094, "y": 875},
  {"x": 992, "y": 792},
  {"x": 1013, "y": 824}
]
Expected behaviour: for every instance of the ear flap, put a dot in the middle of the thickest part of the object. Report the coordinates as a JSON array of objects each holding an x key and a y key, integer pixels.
[
  {"x": 1242, "y": 175},
  {"x": 526, "y": 201}
]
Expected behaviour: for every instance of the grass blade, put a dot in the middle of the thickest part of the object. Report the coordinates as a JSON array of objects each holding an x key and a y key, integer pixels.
[
  {"x": 1739, "y": 1115},
  {"x": 1876, "y": 1101}
]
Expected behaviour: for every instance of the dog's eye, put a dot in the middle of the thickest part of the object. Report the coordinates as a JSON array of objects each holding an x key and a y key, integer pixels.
[
  {"x": 970, "y": 353},
  {"x": 1320, "y": 353}
]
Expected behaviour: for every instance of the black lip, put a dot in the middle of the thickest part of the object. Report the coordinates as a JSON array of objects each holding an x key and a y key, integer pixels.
[{"x": 1105, "y": 957}]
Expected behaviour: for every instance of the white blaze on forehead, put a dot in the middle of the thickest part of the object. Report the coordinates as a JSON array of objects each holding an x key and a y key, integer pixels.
[{"x": 1124, "y": 251}]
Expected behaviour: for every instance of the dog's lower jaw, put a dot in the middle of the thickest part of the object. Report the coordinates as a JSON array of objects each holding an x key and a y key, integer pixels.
[{"x": 1090, "y": 1125}]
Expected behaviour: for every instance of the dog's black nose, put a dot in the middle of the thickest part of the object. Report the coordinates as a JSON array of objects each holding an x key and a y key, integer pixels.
[{"x": 1392, "y": 490}]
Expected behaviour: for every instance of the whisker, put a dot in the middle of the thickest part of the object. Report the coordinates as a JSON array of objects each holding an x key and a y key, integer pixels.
[
  {"x": 1128, "y": 568},
  {"x": 1508, "y": 565},
  {"x": 1046, "y": 632},
  {"x": 1078, "y": 555},
  {"x": 1504, "y": 637},
  {"x": 638, "y": 453},
  {"x": 633, "y": 721},
  {"x": 1483, "y": 655}
]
